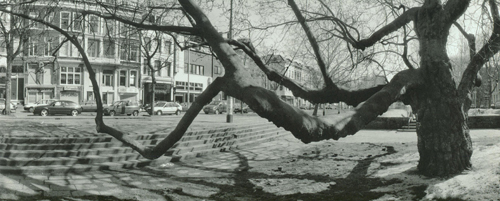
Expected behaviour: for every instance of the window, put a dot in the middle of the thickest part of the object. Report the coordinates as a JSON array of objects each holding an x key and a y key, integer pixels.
[
  {"x": 74, "y": 50},
  {"x": 34, "y": 48},
  {"x": 186, "y": 68},
  {"x": 50, "y": 45},
  {"x": 109, "y": 28},
  {"x": 3, "y": 48},
  {"x": 216, "y": 70},
  {"x": 123, "y": 29},
  {"x": 64, "y": 50},
  {"x": 64, "y": 20},
  {"x": 166, "y": 47},
  {"x": 147, "y": 44},
  {"x": 70, "y": 75},
  {"x": 109, "y": 48},
  {"x": 157, "y": 67},
  {"x": 133, "y": 78},
  {"x": 94, "y": 25},
  {"x": 93, "y": 49},
  {"x": 123, "y": 50},
  {"x": 107, "y": 78},
  {"x": 77, "y": 22},
  {"x": 31, "y": 22},
  {"x": 123, "y": 78},
  {"x": 3, "y": 69},
  {"x": 134, "y": 52},
  {"x": 168, "y": 66}
]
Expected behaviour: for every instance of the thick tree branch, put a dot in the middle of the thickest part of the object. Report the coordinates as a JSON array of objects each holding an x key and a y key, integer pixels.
[
  {"x": 325, "y": 95},
  {"x": 397, "y": 23},
  {"x": 455, "y": 8},
  {"x": 483, "y": 55},
  {"x": 159, "y": 149},
  {"x": 308, "y": 128}
]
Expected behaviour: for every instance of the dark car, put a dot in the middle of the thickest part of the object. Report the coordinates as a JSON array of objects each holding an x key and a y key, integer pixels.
[
  {"x": 246, "y": 109},
  {"x": 58, "y": 107},
  {"x": 122, "y": 108},
  {"x": 215, "y": 107},
  {"x": 89, "y": 106}
]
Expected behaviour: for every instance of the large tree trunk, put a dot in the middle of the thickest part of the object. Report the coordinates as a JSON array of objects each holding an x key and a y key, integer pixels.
[{"x": 444, "y": 143}]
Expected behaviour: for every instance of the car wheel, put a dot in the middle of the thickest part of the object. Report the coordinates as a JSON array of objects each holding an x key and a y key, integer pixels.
[
  {"x": 135, "y": 113},
  {"x": 177, "y": 112},
  {"x": 3, "y": 112},
  {"x": 112, "y": 113},
  {"x": 74, "y": 113},
  {"x": 206, "y": 112},
  {"x": 158, "y": 112},
  {"x": 31, "y": 109},
  {"x": 44, "y": 113},
  {"x": 216, "y": 111}
]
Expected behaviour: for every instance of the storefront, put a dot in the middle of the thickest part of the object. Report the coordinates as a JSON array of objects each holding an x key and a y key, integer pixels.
[
  {"x": 71, "y": 93},
  {"x": 35, "y": 93},
  {"x": 163, "y": 92}
]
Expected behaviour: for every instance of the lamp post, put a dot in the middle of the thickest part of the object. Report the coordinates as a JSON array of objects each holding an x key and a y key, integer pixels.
[{"x": 229, "y": 117}]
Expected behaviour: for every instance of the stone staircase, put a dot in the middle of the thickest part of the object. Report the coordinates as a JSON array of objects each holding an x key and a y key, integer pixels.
[
  {"x": 38, "y": 154},
  {"x": 411, "y": 127}
]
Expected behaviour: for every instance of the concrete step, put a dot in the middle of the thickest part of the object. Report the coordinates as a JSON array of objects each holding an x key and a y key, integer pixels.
[
  {"x": 206, "y": 152},
  {"x": 219, "y": 144},
  {"x": 94, "y": 159},
  {"x": 63, "y": 153},
  {"x": 60, "y": 146},
  {"x": 76, "y": 168},
  {"x": 53, "y": 140},
  {"x": 207, "y": 138}
]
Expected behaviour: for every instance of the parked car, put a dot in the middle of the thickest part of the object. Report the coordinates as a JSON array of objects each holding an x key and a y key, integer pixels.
[
  {"x": 215, "y": 107},
  {"x": 13, "y": 107},
  {"x": 89, "y": 106},
  {"x": 58, "y": 107},
  {"x": 246, "y": 109},
  {"x": 30, "y": 106},
  {"x": 164, "y": 107},
  {"x": 122, "y": 108}
]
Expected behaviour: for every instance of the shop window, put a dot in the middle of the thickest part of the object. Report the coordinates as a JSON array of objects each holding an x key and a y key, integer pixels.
[{"x": 123, "y": 78}]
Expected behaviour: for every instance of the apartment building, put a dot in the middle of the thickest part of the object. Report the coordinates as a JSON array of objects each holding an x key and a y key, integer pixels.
[{"x": 200, "y": 68}]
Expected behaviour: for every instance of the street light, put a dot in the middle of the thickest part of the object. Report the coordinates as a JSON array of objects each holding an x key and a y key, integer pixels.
[{"x": 229, "y": 117}]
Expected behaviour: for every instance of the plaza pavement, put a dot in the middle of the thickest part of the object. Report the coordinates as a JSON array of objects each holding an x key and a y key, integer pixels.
[{"x": 174, "y": 180}]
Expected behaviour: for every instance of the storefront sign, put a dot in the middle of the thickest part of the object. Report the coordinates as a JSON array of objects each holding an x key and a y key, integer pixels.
[
  {"x": 41, "y": 90},
  {"x": 71, "y": 88},
  {"x": 128, "y": 90}
]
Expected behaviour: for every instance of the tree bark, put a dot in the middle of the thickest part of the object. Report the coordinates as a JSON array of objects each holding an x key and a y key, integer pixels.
[{"x": 444, "y": 142}]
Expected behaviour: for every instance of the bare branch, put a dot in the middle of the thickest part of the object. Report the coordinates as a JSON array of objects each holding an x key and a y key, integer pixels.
[{"x": 313, "y": 43}]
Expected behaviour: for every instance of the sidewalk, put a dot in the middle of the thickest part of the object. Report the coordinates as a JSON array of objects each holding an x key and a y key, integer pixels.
[{"x": 195, "y": 179}]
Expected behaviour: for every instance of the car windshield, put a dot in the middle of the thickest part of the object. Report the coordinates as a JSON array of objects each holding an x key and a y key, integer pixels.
[
  {"x": 160, "y": 104},
  {"x": 215, "y": 103},
  {"x": 117, "y": 103}
]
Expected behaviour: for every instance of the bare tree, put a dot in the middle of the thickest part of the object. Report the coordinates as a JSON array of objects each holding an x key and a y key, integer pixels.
[
  {"x": 15, "y": 33},
  {"x": 443, "y": 136}
]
